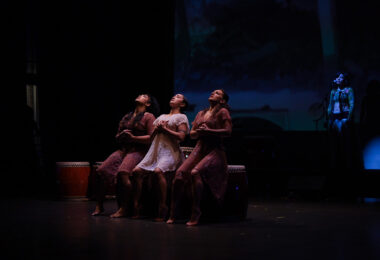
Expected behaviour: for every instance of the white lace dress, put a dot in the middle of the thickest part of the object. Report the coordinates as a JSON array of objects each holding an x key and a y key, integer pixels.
[{"x": 164, "y": 152}]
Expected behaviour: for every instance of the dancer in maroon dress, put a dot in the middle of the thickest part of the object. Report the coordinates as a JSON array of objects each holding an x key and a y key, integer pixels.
[
  {"x": 133, "y": 136},
  {"x": 207, "y": 164}
]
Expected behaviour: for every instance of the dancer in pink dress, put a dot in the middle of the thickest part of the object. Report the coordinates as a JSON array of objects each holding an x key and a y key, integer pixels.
[
  {"x": 164, "y": 154},
  {"x": 133, "y": 136},
  {"x": 207, "y": 164}
]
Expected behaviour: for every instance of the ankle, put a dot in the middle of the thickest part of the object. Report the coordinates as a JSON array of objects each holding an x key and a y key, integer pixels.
[{"x": 195, "y": 215}]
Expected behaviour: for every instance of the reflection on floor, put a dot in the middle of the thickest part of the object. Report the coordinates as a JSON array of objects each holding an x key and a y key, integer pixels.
[{"x": 46, "y": 229}]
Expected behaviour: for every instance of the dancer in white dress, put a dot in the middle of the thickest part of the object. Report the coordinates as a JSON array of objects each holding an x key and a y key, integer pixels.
[{"x": 164, "y": 154}]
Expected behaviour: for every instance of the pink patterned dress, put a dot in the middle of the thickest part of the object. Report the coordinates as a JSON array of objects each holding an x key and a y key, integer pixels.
[
  {"x": 208, "y": 156},
  {"x": 130, "y": 154}
]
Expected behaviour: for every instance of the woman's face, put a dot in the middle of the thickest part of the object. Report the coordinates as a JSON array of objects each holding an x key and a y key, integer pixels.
[
  {"x": 339, "y": 79},
  {"x": 176, "y": 100},
  {"x": 143, "y": 100},
  {"x": 217, "y": 96}
]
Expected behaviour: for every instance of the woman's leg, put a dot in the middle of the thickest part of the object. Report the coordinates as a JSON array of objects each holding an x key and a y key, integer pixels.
[
  {"x": 138, "y": 174},
  {"x": 124, "y": 194},
  {"x": 106, "y": 174},
  {"x": 211, "y": 170},
  {"x": 124, "y": 180},
  {"x": 162, "y": 208},
  {"x": 99, "y": 195},
  {"x": 178, "y": 187},
  {"x": 197, "y": 189},
  {"x": 181, "y": 183}
]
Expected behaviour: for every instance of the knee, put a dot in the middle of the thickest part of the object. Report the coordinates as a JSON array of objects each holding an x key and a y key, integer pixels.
[
  {"x": 99, "y": 170},
  {"x": 137, "y": 171},
  {"x": 123, "y": 174},
  {"x": 158, "y": 171},
  {"x": 194, "y": 172},
  {"x": 196, "y": 177},
  {"x": 180, "y": 176},
  {"x": 123, "y": 177}
]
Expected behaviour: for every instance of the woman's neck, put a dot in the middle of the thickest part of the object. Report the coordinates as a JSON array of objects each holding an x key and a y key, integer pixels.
[
  {"x": 175, "y": 110},
  {"x": 213, "y": 106},
  {"x": 139, "y": 109},
  {"x": 341, "y": 87}
]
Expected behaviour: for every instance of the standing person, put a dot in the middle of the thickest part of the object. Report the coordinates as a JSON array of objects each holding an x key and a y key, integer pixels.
[
  {"x": 341, "y": 103},
  {"x": 164, "y": 154},
  {"x": 339, "y": 112},
  {"x": 133, "y": 136},
  {"x": 207, "y": 164}
]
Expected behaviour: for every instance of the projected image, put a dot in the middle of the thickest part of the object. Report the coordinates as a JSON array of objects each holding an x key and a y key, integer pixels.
[{"x": 266, "y": 54}]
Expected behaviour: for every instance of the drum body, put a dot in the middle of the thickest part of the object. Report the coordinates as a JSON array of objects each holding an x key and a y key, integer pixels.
[
  {"x": 236, "y": 198},
  {"x": 72, "y": 179},
  {"x": 186, "y": 150}
]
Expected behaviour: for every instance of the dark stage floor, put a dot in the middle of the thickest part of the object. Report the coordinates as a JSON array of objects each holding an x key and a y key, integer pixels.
[{"x": 46, "y": 229}]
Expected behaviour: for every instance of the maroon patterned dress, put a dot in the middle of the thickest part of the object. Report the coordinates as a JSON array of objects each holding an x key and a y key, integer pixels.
[
  {"x": 208, "y": 156},
  {"x": 129, "y": 154}
]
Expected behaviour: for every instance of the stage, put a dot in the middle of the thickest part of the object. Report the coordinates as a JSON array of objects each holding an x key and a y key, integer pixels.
[
  {"x": 74, "y": 71},
  {"x": 281, "y": 229}
]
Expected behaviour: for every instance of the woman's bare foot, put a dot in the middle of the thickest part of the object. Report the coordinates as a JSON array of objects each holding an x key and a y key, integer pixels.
[
  {"x": 159, "y": 219},
  {"x": 136, "y": 212},
  {"x": 98, "y": 210},
  {"x": 170, "y": 221},
  {"x": 194, "y": 220},
  {"x": 120, "y": 213},
  {"x": 162, "y": 213},
  {"x": 192, "y": 223}
]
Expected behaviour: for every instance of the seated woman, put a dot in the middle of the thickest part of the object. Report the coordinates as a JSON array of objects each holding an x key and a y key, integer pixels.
[
  {"x": 133, "y": 137},
  {"x": 207, "y": 163},
  {"x": 164, "y": 154}
]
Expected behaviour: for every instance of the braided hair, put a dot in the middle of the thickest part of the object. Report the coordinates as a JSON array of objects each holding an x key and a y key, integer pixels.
[
  {"x": 154, "y": 108},
  {"x": 186, "y": 104},
  {"x": 226, "y": 97}
]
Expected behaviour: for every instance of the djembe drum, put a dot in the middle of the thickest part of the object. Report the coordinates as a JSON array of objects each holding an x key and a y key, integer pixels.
[
  {"x": 72, "y": 179},
  {"x": 236, "y": 198},
  {"x": 186, "y": 150}
]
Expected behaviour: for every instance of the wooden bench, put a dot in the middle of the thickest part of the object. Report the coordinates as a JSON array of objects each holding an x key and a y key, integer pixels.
[
  {"x": 235, "y": 201},
  {"x": 236, "y": 197}
]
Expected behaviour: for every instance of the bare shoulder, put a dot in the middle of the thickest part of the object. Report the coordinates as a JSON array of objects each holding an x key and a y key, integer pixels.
[
  {"x": 181, "y": 116},
  {"x": 224, "y": 111},
  {"x": 149, "y": 116}
]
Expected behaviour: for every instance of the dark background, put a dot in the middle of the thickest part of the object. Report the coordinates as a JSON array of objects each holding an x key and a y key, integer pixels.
[{"x": 94, "y": 57}]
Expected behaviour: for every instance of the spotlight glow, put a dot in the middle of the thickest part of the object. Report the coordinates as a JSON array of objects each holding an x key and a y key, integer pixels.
[{"x": 371, "y": 155}]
